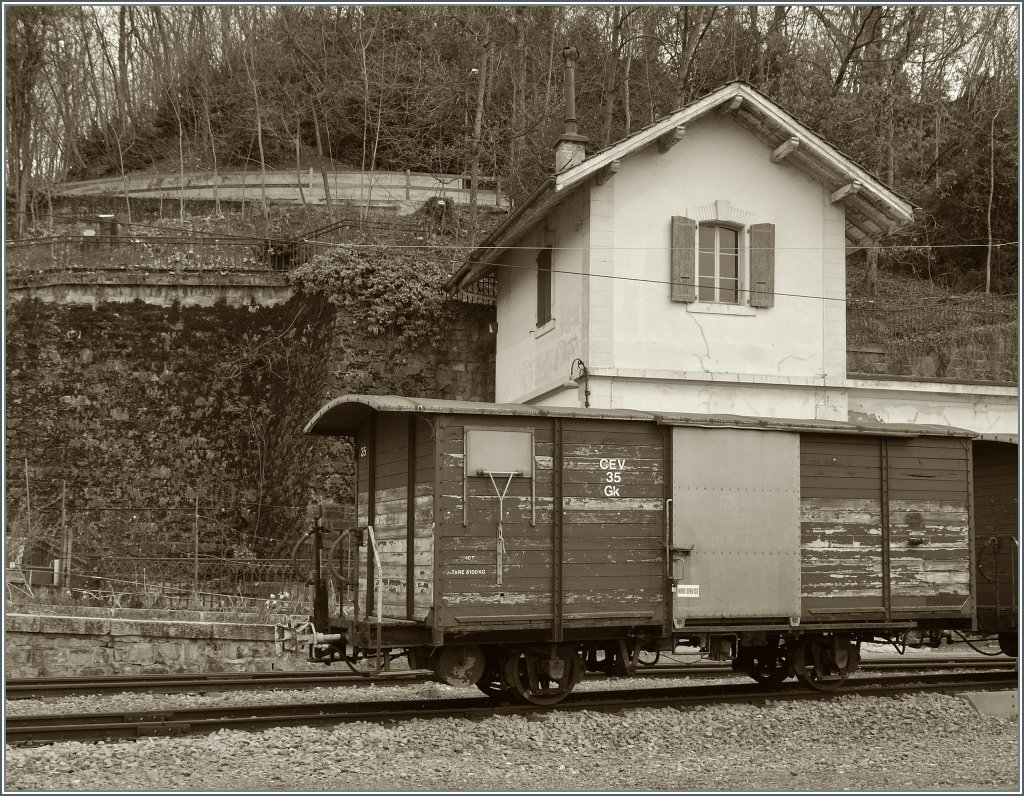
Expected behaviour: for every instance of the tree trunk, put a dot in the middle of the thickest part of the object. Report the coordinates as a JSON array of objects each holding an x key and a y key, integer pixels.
[
  {"x": 694, "y": 33},
  {"x": 323, "y": 166},
  {"x": 991, "y": 196},
  {"x": 871, "y": 274},
  {"x": 478, "y": 120},
  {"x": 213, "y": 153},
  {"x": 259, "y": 139},
  {"x": 611, "y": 73}
]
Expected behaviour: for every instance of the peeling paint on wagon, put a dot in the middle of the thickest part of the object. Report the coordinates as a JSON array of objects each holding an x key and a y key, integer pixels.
[{"x": 573, "y": 557}]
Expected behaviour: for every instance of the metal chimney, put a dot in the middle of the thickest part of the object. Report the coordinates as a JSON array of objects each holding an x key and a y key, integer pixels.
[{"x": 570, "y": 149}]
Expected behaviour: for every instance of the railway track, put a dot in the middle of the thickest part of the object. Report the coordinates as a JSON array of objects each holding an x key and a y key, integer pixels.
[
  {"x": 41, "y": 729},
  {"x": 34, "y": 688}
]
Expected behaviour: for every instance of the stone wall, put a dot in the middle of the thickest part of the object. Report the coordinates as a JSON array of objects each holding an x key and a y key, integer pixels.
[
  {"x": 96, "y": 642},
  {"x": 121, "y": 415}
]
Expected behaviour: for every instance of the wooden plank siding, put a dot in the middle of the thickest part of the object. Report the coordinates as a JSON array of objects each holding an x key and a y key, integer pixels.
[
  {"x": 929, "y": 522},
  {"x": 840, "y": 521},
  {"x": 467, "y": 582},
  {"x": 385, "y": 448},
  {"x": 996, "y": 486},
  {"x": 885, "y": 524},
  {"x": 614, "y": 522},
  {"x": 609, "y": 555}
]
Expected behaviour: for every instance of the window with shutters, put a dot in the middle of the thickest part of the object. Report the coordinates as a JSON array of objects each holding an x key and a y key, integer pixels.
[
  {"x": 715, "y": 263},
  {"x": 543, "y": 287},
  {"x": 718, "y": 264}
]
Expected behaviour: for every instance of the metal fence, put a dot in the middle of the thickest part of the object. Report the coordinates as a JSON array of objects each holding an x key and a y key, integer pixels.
[
  {"x": 77, "y": 254},
  {"x": 66, "y": 544}
]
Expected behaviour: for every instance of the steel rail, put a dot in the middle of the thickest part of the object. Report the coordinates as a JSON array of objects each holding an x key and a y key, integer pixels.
[
  {"x": 31, "y": 688},
  {"x": 141, "y": 724}
]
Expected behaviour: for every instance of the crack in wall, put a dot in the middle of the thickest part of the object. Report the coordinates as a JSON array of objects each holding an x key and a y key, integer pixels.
[{"x": 707, "y": 346}]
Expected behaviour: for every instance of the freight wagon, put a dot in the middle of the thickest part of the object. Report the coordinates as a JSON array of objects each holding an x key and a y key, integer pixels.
[{"x": 514, "y": 547}]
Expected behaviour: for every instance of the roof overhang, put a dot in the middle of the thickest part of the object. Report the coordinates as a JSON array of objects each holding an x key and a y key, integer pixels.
[
  {"x": 873, "y": 210},
  {"x": 347, "y": 414}
]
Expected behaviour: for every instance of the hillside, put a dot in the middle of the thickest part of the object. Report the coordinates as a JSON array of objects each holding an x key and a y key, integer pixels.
[
  {"x": 915, "y": 327},
  {"x": 911, "y": 326}
]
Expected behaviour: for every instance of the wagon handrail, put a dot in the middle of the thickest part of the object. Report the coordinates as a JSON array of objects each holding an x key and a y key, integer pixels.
[{"x": 378, "y": 591}]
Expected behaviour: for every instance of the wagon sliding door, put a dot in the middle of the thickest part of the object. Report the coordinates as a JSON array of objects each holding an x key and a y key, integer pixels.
[
  {"x": 612, "y": 525},
  {"x": 735, "y": 524},
  {"x": 495, "y": 567},
  {"x": 885, "y": 526},
  {"x": 996, "y": 542},
  {"x": 929, "y": 525}
]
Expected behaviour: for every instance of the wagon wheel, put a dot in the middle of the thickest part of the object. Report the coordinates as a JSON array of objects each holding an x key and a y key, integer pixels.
[
  {"x": 494, "y": 685},
  {"x": 492, "y": 682},
  {"x": 767, "y": 664},
  {"x": 531, "y": 675},
  {"x": 824, "y": 663},
  {"x": 769, "y": 670}
]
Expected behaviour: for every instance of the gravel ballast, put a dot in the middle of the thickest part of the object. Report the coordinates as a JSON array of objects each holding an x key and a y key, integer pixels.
[{"x": 919, "y": 742}]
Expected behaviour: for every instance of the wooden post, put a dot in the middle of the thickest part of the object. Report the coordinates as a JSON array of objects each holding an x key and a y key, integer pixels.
[
  {"x": 28, "y": 503},
  {"x": 195, "y": 552},
  {"x": 65, "y": 552},
  {"x": 407, "y": 183}
]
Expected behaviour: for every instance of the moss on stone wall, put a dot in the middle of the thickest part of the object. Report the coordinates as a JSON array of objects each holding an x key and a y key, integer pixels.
[{"x": 138, "y": 410}]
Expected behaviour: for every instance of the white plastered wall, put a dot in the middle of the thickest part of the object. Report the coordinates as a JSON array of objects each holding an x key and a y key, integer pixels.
[{"x": 532, "y": 361}]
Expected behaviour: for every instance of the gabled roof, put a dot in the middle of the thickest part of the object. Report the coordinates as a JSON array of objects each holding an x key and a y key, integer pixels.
[{"x": 873, "y": 210}]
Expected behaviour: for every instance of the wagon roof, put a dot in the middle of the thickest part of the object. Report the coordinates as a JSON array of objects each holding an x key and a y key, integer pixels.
[{"x": 344, "y": 416}]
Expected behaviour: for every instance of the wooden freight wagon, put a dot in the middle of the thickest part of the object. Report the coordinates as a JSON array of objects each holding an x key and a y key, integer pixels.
[
  {"x": 513, "y": 546},
  {"x": 996, "y": 543}
]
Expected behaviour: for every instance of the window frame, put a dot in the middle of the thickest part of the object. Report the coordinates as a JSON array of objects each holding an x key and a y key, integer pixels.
[{"x": 742, "y": 277}]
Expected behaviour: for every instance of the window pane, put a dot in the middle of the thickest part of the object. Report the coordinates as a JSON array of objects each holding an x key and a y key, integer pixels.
[
  {"x": 707, "y": 263},
  {"x": 707, "y": 237},
  {"x": 728, "y": 291},
  {"x": 706, "y": 289},
  {"x": 728, "y": 265},
  {"x": 727, "y": 239}
]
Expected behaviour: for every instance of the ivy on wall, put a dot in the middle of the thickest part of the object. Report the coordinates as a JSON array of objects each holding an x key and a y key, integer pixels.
[
  {"x": 138, "y": 410},
  {"x": 133, "y": 405},
  {"x": 394, "y": 295}
]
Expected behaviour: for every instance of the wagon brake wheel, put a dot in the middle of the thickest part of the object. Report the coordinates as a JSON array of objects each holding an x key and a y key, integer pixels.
[
  {"x": 527, "y": 671},
  {"x": 824, "y": 664}
]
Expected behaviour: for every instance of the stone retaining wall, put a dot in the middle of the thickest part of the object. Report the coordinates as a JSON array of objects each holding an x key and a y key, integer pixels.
[{"x": 91, "y": 643}]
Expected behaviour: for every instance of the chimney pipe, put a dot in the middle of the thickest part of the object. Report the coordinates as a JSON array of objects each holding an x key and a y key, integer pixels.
[
  {"x": 570, "y": 149},
  {"x": 570, "y": 54}
]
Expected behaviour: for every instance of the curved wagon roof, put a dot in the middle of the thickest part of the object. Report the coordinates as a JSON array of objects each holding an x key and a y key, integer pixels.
[{"x": 344, "y": 415}]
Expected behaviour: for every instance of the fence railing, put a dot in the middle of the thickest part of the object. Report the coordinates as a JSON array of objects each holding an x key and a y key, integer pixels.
[{"x": 76, "y": 254}]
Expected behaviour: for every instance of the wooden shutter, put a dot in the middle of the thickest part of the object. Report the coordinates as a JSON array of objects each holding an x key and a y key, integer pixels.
[
  {"x": 543, "y": 287},
  {"x": 684, "y": 252},
  {"x": 762, "y": 265}
]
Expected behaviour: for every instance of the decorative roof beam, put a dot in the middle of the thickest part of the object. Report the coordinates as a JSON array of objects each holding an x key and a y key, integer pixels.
[
  {"x": 851, "y": 189},
  {"x": 608, "y": 172},
  {"x": 786, "y": 148},
  {"x": 671, "y": 138},
  {"x": 857, "y": 236},
  {"x": 732, "y": 105}
]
